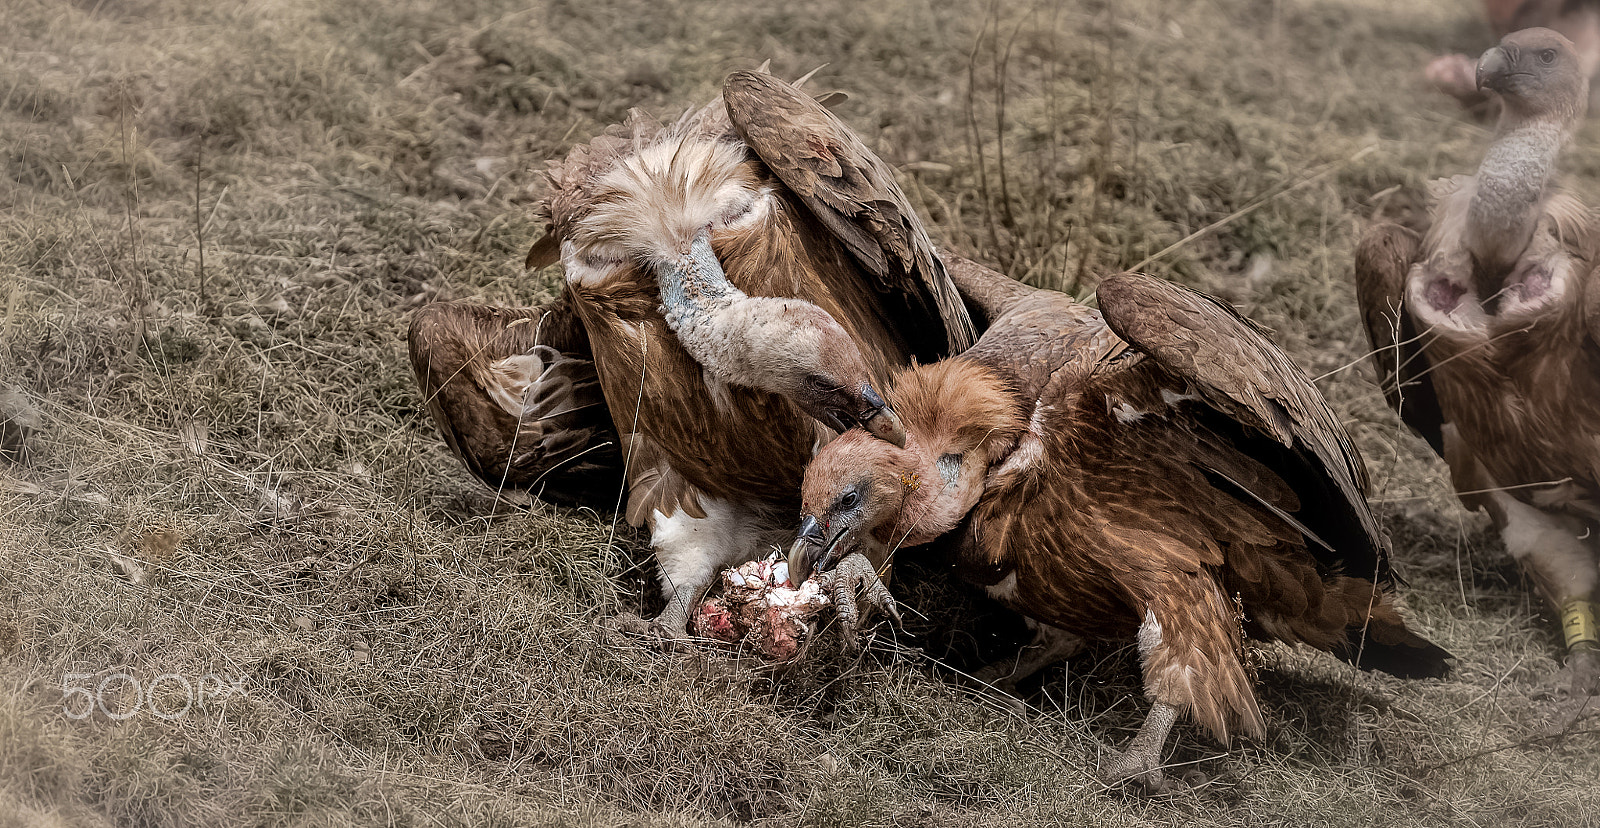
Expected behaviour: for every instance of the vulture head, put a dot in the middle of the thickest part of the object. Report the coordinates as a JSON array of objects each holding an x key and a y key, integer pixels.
[
  {"x": 1538, "y": 76},
  {"x": 683, "y": 203},
  {"x": 855, "y": 498}
]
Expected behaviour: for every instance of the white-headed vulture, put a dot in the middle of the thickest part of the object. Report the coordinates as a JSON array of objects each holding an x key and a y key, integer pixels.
[{"x": 743, "y": 282}]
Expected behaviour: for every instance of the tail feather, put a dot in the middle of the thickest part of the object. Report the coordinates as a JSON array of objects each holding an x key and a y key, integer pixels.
[{"x": 1395, "y": 650}]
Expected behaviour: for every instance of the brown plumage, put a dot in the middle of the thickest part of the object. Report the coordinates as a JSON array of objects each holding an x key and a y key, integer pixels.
[
  {"x": 741, "y": 277},
  {"x": 1486, "y": 334},
  {"x": 514, "y": 393},
  {"x": 1164, "y": 473},
  {"x": 1577, "y": 20}
]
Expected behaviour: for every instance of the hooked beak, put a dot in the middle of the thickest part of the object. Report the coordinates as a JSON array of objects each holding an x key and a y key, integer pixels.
[
  {"x": 801, "y": 559},
  {"x": 1493, "y": 68},
  {"x": 880, "y": 421},
  {"x": 812, "y": 551}
]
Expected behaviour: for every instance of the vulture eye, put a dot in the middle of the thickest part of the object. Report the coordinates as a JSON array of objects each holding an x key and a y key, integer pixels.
[
  {"x": 821, "y": 384},
  {"x": 850, "y": 499},
  {"x": 1547, "y": 56}
]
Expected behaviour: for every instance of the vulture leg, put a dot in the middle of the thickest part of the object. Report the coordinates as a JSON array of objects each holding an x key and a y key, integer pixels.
[
  {"x": 1189, "y": 647},
  {"x": 1558, "y": 552},
  {"x": 856, "y": 572},
  {"x": 1049, "y": 645},
  {"x": 692, "y": 550},
  {"x": 1141, "y": 762}
]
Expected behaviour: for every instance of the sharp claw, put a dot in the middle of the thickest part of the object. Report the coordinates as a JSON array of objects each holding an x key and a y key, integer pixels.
[{"x": 856, "y": 572}]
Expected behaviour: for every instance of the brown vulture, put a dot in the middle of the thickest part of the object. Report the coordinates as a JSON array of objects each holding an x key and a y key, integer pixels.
[
  {"x": 1162, "y": 473},
  {"x": 1486, "y": 334},
  {"x": 737, "y": 286},
  {"x": 1577, "y": 20}
]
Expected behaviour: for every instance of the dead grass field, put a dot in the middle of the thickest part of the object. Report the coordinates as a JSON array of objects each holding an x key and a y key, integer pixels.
[{"x": 217, "y": 216}]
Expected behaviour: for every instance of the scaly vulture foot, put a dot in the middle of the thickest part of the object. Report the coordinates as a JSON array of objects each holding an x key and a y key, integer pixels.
[
  {"x": 1140, "y": 765},
  {"x": 668, "y": 631},
  {"x": 1583, "y": 666},
  {"x": 856, "y": 573},
  {"x": 1581, "y": 680},
  {"x": 650, "y": 630}
]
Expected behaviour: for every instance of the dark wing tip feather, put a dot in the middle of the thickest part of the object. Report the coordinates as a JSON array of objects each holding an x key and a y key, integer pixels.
[
  {"x": 1414, "y": 657},
  {"x": 1248, "y": 378}
]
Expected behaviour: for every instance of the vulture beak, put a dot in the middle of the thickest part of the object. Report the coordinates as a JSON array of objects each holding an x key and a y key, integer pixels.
[
  {"x": 1493, "y": 68},
  {"x": 812, "y": 550},
  {"x": 801, "y": 558},
  {"x": 880, "y": 420}
]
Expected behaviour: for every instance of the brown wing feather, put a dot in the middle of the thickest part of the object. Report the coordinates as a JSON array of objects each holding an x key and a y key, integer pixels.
[
  {"x": 514, "y": 394},
  {"x": 1383, "y": 259},
  {"x": 1243, "y": 375},
  {"x": 853, "y": 194},
  {"x": 655, "y": 486}
]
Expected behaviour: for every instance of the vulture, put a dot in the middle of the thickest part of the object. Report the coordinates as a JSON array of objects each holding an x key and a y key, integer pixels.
[
  {"x": 1160, "y": 473},
  {"x": 737, "y": 287},
  {"x": 1577, "y": 20},
  {"x": 1486, "y": 334}
]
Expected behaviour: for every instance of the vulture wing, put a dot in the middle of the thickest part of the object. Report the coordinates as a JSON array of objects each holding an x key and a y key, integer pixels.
[
  {"x": 989, "y": 294},
  {"x": 1383, "y": 259},
  {"x": 514, "y": 393},
  {"x": 1242, "y": 374},
  {"x": 852, "y": 192}
]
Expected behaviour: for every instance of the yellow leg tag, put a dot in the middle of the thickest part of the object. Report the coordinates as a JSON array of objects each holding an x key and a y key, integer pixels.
[{"x": 1578, "y": 623}]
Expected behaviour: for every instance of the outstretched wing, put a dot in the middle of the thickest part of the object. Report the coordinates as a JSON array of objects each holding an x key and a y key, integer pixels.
[
  {"x": 1242, "y": 374},
  {"x": 1383, "y": 259},
  {"x": 515, "y": 396},
  {"x": 853, "y": 194}
]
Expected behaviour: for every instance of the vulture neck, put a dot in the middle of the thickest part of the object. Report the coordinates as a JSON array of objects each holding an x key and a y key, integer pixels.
[
  {"x": 960, "y": 420},
  {"x": 1510, "y": 195},
  {"x": 705, "y": 310}
]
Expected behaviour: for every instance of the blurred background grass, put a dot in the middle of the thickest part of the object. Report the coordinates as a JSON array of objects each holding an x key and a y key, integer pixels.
[{"x": 219, "y": 214}]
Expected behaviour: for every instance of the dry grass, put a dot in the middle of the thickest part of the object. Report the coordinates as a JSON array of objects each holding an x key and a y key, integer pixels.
[{"x": 234, "y": 476}]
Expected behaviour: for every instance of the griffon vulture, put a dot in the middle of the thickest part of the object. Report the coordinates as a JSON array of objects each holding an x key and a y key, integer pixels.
[
  {"x": 1163, "y": 474},
  {"x": 1486, "y": 334},
  {"x": 746, "y": 279}
]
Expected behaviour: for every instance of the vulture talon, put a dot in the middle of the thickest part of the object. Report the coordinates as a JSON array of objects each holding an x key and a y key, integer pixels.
[
  {"x": 1140, "y": 764},
  {"x": 855, "y": 573},
  {"x": 1140, "y": 774},
  {"x": 1583, "y": 667},
  {"x": 653, "y": 632}
]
